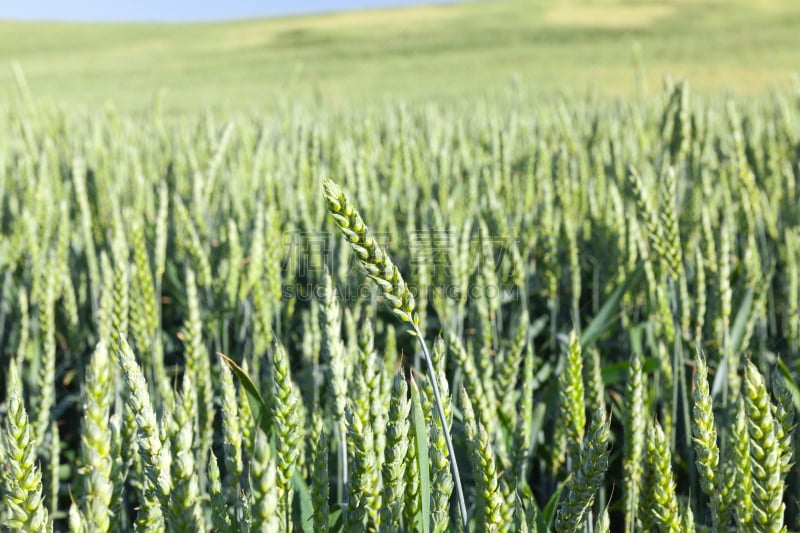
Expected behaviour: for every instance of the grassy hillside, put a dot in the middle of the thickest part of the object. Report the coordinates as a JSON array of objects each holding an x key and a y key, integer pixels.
[{"x": 420, "y": 52}]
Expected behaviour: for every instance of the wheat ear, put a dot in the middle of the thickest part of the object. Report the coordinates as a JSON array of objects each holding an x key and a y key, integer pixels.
[
  {"x": 705, "y": 437},
  {"x": 588, "y": 476}
]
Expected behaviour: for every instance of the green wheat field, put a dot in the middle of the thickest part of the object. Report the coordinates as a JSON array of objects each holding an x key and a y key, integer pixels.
[{"x": 494, "y": 266}]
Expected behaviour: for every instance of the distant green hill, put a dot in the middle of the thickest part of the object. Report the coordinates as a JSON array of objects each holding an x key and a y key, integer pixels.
[{"x": 428, "y": 52}]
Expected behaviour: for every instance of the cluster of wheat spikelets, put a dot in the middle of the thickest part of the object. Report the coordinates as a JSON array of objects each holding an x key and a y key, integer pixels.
[{"x": 503, "y": 316}]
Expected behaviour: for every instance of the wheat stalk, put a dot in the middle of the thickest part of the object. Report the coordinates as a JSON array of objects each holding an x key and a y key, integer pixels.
[{"x": 382, "y": 270}]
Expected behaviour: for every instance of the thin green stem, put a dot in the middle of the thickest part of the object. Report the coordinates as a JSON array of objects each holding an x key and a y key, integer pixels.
[{"x": 438, "y": 400}]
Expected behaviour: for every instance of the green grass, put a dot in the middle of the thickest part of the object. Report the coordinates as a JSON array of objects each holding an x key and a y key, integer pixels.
[{"x": 418, "y": 53}]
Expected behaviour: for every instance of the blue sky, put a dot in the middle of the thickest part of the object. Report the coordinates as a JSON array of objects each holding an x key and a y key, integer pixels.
[{"x": 179, "y": 10}]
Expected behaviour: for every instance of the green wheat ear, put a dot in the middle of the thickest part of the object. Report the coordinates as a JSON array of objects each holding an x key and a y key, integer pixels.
[
  {"x": 21, "y": 480},
  {"x": 588, "y": 477},
  {"x": 371, "y": 256},
  {"x": 705, "y": 436},
  {"x": 380, "y": 268},
  {"x": 765, "y": 454}
]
